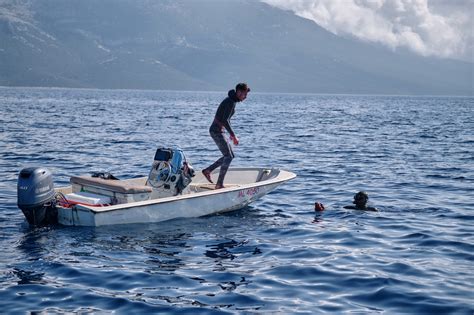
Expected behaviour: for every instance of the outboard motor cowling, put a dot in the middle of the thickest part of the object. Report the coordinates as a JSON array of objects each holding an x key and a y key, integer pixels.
[
  {"x": 36, "y": 195},
  {"x": 170, "y": 173}
]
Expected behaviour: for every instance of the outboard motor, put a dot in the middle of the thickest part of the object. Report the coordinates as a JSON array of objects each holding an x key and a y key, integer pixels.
[
  {"x": 170, "y": 173},
  {"x": 36, "y": 196}
]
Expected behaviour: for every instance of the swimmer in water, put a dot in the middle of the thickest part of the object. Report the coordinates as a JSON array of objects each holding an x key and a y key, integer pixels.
[{"x": 360, "y": 202}]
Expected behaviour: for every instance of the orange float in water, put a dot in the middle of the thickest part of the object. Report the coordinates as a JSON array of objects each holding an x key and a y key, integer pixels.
[{"x": 318, "y": 206}]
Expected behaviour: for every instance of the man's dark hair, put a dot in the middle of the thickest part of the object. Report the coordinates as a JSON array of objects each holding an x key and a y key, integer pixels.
[{"x": 242, "y": 87}]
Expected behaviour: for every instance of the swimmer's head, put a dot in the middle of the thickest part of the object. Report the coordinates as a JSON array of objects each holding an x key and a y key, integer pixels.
[{"x": 360, "y": 199}]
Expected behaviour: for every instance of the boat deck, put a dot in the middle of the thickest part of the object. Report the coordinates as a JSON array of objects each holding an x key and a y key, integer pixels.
[{"x": 210, "y": 186}]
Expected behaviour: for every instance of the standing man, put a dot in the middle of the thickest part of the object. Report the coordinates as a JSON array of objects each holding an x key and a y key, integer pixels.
[{"x": 224, "y": 113}]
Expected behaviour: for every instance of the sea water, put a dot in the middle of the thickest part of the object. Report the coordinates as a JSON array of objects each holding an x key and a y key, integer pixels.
[{"x": 413, "y": 155}]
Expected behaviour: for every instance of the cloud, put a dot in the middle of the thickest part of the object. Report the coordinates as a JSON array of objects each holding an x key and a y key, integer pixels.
[{"x": 442, "y": 28}]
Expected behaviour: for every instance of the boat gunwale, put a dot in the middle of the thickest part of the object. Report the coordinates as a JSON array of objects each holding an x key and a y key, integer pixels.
[{"x": 276, "y": 180}]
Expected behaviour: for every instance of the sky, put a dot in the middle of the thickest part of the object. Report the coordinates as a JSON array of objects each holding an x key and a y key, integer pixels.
[{"x": 442, "y": 28}]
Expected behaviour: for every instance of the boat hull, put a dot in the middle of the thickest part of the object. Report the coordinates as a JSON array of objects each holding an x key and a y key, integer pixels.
[{"x": 182, "y": 206}]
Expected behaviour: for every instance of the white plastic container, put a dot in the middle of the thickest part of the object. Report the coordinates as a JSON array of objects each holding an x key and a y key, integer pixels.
[{"x": 88, "y": 198}]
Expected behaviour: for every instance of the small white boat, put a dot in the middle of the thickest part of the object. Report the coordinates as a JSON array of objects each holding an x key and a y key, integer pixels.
[
  {"x": 96, "y": 201},
  {"x": 242, "y": 186},
  {"x": 171, "y": 190}
]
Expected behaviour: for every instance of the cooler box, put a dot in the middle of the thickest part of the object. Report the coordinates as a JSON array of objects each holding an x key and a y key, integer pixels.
[
  {"x": 118, "y": 191},
  {"x": 88, "y": 198}
]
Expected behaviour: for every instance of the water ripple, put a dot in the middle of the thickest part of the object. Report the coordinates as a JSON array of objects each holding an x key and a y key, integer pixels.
[{"x": 412, "y": 154}]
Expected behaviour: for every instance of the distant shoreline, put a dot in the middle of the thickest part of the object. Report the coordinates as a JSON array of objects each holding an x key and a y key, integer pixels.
[{"x": 253, "y": 92}]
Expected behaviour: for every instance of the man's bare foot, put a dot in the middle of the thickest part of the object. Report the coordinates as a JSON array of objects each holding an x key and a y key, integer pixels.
[
  {"x": 219, "y": 187},
  {"x": 207, "y": 175}
]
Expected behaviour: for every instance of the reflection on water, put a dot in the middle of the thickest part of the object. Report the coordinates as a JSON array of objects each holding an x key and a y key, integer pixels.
[
  {"x": 164, "y": 252},
  {"x": 28, "y": 277}
]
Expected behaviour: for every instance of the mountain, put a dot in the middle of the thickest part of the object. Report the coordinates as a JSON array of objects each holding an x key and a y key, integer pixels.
[{"x": 203, "y": 45}]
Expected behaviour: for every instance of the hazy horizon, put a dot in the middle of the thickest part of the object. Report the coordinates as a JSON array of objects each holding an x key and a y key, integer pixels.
[{"x": 272, "y": 45}]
